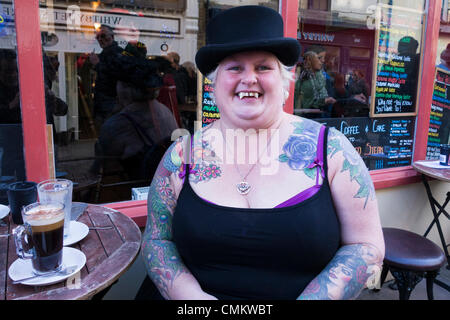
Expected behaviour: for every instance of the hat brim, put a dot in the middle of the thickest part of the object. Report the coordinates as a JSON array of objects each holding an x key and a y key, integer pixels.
[{"x": 287, "y": 50}]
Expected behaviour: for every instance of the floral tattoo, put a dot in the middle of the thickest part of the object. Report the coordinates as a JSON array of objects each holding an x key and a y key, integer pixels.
[
  {"x": 301, "y": 148},
  {"x": 162, "y": 259},
  {"x": 353, "y": 164},
  {"x": 206, "y": 162}
]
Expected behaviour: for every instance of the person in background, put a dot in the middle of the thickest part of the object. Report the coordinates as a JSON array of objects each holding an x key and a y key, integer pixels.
[
  {"x": 445, "y": 59},
  {"x": 325, "y": 60},
  {"x": 279, "y": 223},
  {"x": 136, "y": 138},
  {"x": 180, "y": 76},
  {"x": 105, "y": 84},
  {"x": 358, "y": 86},
  {"x": 192, "y": 81},
  {"x": 312, "y": 85}
]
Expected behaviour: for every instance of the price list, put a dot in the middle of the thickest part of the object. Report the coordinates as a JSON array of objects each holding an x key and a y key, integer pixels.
[{"x": 382, "y": 142}]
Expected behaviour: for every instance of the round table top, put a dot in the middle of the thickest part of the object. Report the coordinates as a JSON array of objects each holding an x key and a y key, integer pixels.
[
  {"x": 440, "y": 174},
  {"x": 109, "y": 253}
]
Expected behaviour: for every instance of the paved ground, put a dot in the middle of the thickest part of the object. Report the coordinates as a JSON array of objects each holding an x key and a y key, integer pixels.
[{"x": 419, "y": 293}]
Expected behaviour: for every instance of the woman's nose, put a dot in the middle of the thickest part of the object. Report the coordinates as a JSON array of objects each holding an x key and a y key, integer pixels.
[{"x": 249, "y": 77}]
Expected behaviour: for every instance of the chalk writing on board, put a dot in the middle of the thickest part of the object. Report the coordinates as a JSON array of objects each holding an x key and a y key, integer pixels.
[
  {"x": 381, "y": 142},
  {"x": 397, "y": 61},
  {"x": 439, "y": 127},
  {"x": 210, "y": 112}
]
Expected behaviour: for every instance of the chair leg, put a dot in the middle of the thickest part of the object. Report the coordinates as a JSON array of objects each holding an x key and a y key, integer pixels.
[
  {"x": 406, "y": 281},
  {"x": 430, "y": 276},
  {"x": 384, "y": 273}
]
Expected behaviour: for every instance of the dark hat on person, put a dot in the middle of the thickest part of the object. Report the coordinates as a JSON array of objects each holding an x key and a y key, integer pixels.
[
  {"x": 445, "y": 55},
  {"x": 245, "y": 28},
  {"x": 136, "y": 49},
  {"x": 140, "y": 72}
]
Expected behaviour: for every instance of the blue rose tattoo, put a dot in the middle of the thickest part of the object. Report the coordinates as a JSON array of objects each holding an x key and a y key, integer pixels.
[{"x": 300, "y": 150}]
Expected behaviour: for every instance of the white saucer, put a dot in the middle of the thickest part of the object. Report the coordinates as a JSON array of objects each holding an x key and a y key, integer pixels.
[
  {"x": 4, "y": 211},
  {"x": 77, "y": 232},
  {"x": 22, "y": 268}
]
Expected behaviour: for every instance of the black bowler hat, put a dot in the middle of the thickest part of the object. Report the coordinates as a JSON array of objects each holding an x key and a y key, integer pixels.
[{"x": 245, "y": 28}]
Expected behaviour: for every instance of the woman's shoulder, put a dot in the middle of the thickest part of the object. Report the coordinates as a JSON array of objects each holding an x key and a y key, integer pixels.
[{"x": 300, "y": 125}]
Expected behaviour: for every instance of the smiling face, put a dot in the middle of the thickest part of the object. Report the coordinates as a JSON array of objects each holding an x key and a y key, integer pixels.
[{"x": 249, "y": 90}]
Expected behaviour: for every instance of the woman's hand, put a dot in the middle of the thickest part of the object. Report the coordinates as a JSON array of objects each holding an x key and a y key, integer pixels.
[{"x": 330, "y": 100}]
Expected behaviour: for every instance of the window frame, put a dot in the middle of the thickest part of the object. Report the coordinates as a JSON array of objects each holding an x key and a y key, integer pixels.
[{"x": 29, "y": 52}]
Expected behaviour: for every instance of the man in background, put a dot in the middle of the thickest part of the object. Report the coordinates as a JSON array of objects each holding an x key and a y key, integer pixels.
[{"x": 105, "y": 84}]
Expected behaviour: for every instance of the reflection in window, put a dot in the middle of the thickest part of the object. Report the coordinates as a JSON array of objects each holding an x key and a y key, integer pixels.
[
  {"x": 126, "y": 74},
  {"x": 12, "y": 165},
  {"x": 360, "y": 59}
]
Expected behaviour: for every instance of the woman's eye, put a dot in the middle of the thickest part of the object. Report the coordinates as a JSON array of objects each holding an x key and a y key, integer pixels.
[
  {"x": 264, "y": 68},
  {"x": 234, "y": 68}
]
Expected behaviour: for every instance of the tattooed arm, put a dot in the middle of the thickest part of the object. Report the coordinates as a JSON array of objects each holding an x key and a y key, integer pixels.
[
  {"x": 161, "y": 257},
  {"x": 362, "y": 252}
]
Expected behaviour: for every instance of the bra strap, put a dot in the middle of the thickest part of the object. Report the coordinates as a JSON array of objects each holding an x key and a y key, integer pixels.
[{"x": 319, "y": 160}]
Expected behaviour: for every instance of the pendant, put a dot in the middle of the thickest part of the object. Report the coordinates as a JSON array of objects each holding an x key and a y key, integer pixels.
[{"x": 243, "y": 187}]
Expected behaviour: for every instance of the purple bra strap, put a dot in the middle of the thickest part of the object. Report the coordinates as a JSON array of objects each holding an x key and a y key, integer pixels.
[{"x": 318, "y": 162}]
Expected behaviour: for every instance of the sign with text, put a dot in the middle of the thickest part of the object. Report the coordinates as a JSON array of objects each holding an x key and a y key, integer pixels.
[
  {"x": 208, "y": 109},
  {"x": 439, "y": 128},
  {"x": 382, "y": 143},
  {"x": 397, "y": 62}
]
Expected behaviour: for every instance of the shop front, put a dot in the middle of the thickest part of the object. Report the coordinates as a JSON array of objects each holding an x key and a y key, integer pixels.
[{"x": 382, "y": 94}]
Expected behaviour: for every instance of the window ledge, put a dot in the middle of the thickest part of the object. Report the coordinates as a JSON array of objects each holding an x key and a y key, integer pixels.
[{"x": 387, "y": 178}]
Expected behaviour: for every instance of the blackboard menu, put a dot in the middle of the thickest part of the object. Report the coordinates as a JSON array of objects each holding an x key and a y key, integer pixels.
[
  {"x": 382, "y": 142},
  {"x": 439, "y": 129},
  {"x": 397, "y": 62},
  {"x": 209, "y": 111}
]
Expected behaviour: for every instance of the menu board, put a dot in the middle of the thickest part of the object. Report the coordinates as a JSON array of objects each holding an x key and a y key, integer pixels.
[
  {"x": 439, "y": 129},
  {"x": 397, "y": 62},
  {"x": 208, "y": 110},
  {"x": 382, "y": 143}
]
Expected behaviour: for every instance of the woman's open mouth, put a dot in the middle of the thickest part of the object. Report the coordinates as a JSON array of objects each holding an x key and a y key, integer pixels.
[{"x": 248, "y": 94}]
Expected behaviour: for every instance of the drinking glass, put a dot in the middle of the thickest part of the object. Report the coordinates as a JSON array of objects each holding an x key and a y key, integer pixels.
[
  {"x": 58, "y": 190},
  {"x": 40, "y": 238}
]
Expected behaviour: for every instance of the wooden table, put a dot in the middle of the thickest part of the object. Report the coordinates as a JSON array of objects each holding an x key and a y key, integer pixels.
[
  {"x": 436, "y": 207},
  {"x": 109, "y": 253}
]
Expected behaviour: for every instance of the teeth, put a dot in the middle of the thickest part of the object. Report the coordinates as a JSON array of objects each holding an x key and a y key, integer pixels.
[{"x": 248, "y": 94}]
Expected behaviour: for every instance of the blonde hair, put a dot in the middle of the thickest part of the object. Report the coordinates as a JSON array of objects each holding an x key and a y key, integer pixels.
[
  {"x": 287, "y": 76},
  {"x": 307, "y": 57}
]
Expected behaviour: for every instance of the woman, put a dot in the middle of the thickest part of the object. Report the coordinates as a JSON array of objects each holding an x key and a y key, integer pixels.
[
  {"x": 312, "y": 84},
  {"x": 267, "y": 225}
]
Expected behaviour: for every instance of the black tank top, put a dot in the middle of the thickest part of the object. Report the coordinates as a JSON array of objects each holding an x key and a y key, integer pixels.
[{"x": 252, "y": 253}]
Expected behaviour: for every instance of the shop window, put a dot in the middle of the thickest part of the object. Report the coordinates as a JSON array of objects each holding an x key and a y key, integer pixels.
[
  {"x": 109, "y": 118},
  {"x": 365, "y": 57},
  {"x": 12, "y": 165}
]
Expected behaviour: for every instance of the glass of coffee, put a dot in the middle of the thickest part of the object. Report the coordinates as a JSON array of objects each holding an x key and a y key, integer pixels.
[
  {"x": 58, "y": 190},
  {"x": 41, "y": 238}
]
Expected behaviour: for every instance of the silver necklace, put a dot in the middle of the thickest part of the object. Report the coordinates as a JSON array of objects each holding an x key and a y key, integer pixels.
[{"x": 243, "y": 187}]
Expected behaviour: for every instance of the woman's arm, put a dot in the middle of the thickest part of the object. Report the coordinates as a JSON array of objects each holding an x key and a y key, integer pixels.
[
  {"x": 161, "y": 257},
  {"x": 359, "y": 259}
]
